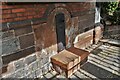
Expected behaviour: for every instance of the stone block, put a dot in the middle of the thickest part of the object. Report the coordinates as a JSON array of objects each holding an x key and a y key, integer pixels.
[
  {"x": 32, "y": 67},
  {"x": 18, "y": 24},
  {"x": 10, "y": 76},
  {"x": 31, "y": 75},
  {"x": 8, "y": 69},
  {"x": 7, "y": 35},
  {"x": 19, "y": 73},
  {"x": 23, "y": 30},
  {"x": 30, "y": 59},
  {"x": 19, "y": 64},
  {"x": 18, "y": 55},
  {"x": 44, "y": 57},
  {"x": 38, "y": 72},
  {"x": 40, "y": 63},
  {"x": 45, "y": 69},
  {"x": 26, "y": 41},
  {"x": 10, "y": 46},
  {"x": 44, "y": 40}
]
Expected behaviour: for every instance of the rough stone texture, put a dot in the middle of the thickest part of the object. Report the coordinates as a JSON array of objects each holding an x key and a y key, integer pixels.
[
  {"x": 7, "y": 35},
  {"x": 10, "y": 68},
  {"x": 112, "y": 32},
  {"x": 38, "y": 72},
  {"x": 43, "y": 39},
  {"x": 19, "y": 64},
  {"x": 30, "y": 59},
  {"x": 98, "y": 33},
  {"x": 26, "y": 41},
  {"x": 18, "y": 55},
  {"x": 84, "y": 40},
  {"x": 23, "y": 30},
  {"x": 45, "y": 69},
  {"x": 44, "y": 57},
  {"x": 19, "y": 73},
  {"x": 10, "y": 46}
]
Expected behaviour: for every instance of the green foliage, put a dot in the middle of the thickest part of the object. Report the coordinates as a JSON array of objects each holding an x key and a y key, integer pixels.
[
  {"x": 112, "y": 6},
  {"x": 111, "y": 11}
]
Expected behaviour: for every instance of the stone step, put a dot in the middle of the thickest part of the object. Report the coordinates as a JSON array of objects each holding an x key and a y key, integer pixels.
[
  {"x": 111, "y": 50},
  {"x": 108, "y": 52},
  {"x": 111, "y": 53},
  {"x": 88, "y": 74},
  {"x": 74, "y": 77},
  {"x": 104, "y": 67},
  {"x": 113, "y": 59},
  {"x": 101, "y": 62},
  {"x": 80, "y": 75},
  {"x": 109, "y": 62},
  {"x": 109, "y": 46},
  {"x": 111, "y": 41},
  {"x": 109, "y": 59},
  {"x": 93, "y": 47}
]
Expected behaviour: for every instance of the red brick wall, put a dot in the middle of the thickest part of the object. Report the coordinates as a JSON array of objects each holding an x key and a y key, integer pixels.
[{"x": 22, "y": 11}]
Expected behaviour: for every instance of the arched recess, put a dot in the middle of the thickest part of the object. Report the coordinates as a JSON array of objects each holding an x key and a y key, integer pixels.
[{"x": 51, "y": 22}]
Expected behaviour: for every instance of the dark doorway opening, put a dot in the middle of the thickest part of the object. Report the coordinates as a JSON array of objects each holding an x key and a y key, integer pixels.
[{"x": 60, "y": 31}]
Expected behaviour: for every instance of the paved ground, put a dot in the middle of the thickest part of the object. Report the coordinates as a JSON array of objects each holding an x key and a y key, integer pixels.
[{"x": 103, "y": 63}]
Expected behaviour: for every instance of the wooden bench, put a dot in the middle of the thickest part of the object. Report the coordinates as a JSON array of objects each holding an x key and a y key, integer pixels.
[{"x": 68, "y": 61}]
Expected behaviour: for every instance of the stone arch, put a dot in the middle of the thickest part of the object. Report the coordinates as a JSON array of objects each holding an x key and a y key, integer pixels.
[{"x": 51, "y": 21}]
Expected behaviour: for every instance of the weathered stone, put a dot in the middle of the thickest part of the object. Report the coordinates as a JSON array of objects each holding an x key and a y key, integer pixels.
[
  {"x": 8, "y": 69},
  {"x": 32, "y": 75},
  {"x": 48, "y": 75},
  {"x": 23, "y": 30},
  {"x": 19, "y": 73},
  {"x": 7, "y": 35},
  {"x": 18, "y": 24},
  {"x": 86, "y": 17},
  {"x": 26, "y": 41},
  {"x": 38, "y": 72},
  {"x": 19, "y": 64},
  {"x": 45, "y": 69},
  {"x": 44, "y": 40},
  {"x": 11, "y": 76},
  {"x": 18, "y": 55},
  {"x": 112, "y": 32},
  {"x": 30, "y": 59},
  {"x": 32, "y": 67},
  {"x": 44, "y": 57},
  {"x": 10, "y": 46},
  {"x": 40, "y": 63}
]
